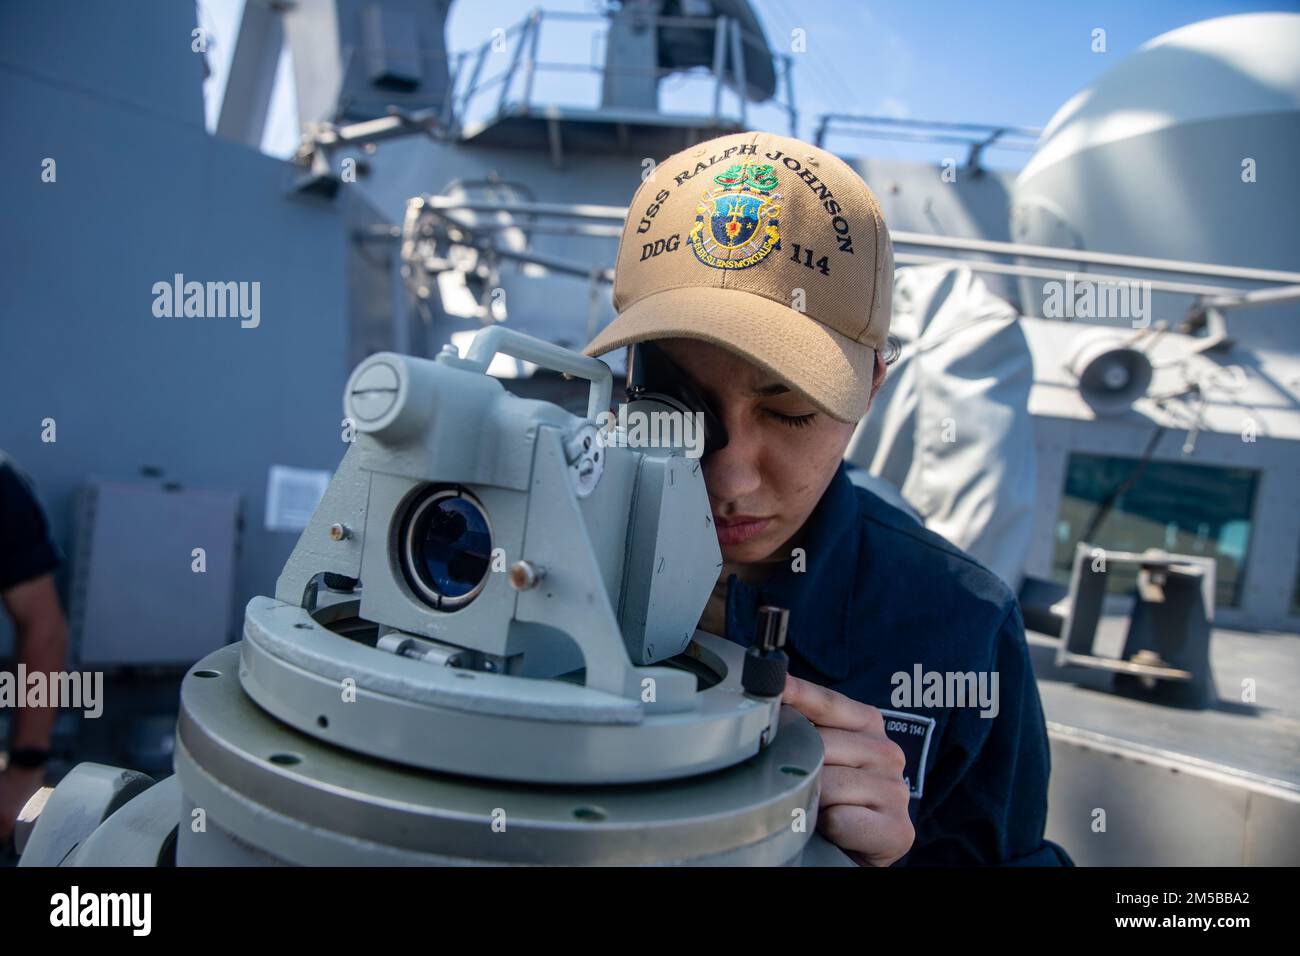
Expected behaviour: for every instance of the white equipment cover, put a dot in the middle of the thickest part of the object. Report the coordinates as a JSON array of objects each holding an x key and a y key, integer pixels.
[{"x": 950, "y": 428}]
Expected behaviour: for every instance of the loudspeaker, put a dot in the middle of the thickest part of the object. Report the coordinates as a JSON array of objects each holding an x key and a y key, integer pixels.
[{"x": 1111, "y": 374}]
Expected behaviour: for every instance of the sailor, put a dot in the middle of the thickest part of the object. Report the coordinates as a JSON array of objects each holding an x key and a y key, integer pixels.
[
  {"x": 27, "y": 563},
  {"x": 767, "y": 294}
]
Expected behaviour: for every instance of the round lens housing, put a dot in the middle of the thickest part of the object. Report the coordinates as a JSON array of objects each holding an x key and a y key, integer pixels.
[{"x": 446, "y": 548}]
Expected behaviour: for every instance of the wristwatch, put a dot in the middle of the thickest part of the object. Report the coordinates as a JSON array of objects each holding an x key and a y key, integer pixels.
[{"x": 29, "y": 757}]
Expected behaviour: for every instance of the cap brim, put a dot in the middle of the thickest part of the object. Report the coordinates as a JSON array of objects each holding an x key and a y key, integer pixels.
[{"x": 831, "y": 369}]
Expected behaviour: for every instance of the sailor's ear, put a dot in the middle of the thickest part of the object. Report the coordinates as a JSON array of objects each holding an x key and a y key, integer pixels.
[{"x": 878, "y": 373}]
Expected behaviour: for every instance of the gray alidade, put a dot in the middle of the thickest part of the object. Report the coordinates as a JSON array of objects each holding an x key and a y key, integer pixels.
[{"x": 481, "y": 650}]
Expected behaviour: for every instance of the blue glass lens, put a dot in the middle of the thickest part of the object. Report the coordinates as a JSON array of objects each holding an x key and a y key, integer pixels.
[{"x": 452, "y": 546}]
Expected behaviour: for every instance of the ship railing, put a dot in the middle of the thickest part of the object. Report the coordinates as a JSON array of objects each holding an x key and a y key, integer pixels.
[
  {"x": 976, "y": 137},
  {"x": 1251, "y": 287},
  {"x": 1209, "y": 300},
  {"x": 524, "y": 65}
]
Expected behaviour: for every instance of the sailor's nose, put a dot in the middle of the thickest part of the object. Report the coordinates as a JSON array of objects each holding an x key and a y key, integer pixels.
[{"x": 732, "y": 472}]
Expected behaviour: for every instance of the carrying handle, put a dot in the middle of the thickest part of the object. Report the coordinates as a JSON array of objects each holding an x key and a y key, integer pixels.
[{"x": 497, "y": 340}]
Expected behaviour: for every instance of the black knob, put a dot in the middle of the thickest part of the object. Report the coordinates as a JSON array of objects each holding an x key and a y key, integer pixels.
[{"x": 765, "y": 663}]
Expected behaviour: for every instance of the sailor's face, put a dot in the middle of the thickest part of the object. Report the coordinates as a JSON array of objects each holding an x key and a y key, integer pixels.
[{"x": 780, "y": 456}]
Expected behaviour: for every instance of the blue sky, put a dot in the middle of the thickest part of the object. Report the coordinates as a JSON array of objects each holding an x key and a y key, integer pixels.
[{"x": 1009, "y": 63}]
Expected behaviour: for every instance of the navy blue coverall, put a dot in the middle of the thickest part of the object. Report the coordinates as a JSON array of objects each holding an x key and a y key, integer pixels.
[{"x": 880, "y": 595}]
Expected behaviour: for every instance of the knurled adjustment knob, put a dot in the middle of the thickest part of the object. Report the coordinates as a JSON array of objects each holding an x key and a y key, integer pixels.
[{"x": 765, "y": 663}]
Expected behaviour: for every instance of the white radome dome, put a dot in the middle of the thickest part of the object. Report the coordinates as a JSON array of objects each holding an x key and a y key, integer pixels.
[{"x": 1155, "y": 158}]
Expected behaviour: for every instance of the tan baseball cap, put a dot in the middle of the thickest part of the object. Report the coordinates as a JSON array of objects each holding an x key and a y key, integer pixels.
[{"x": 769, "y": 247}]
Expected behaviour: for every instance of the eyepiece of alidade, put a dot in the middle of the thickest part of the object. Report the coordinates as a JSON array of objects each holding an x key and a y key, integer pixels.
[{"x": 765, "y": 663}]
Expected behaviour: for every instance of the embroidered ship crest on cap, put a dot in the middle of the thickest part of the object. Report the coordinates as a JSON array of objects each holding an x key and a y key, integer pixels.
[{"x": 736, "y": 225}]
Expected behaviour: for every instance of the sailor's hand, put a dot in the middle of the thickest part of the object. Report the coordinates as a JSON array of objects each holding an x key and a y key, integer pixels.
[
  {"x": 863, "y": 808},
  {"x": 17, "y": 784}
]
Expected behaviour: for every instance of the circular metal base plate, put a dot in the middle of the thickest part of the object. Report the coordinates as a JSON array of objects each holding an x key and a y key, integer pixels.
[
  {"x": 495, "y": 725},
  {"x": 287, "y": 797}
]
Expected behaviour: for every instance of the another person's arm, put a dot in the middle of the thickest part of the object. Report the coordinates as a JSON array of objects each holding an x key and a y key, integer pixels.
[
  {"x": 41, "y": 639},
  {"x": 28, "y": 594}
]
